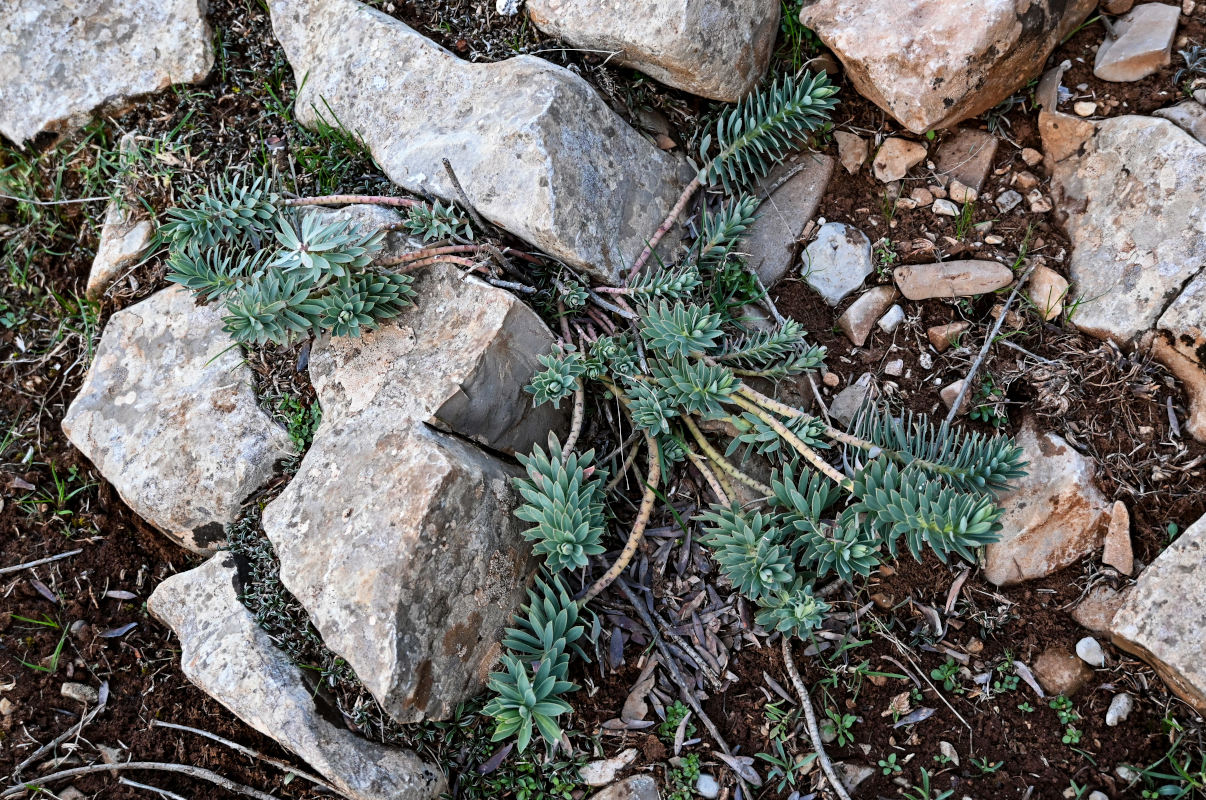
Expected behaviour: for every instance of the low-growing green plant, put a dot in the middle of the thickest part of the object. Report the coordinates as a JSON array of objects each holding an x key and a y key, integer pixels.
[
  {"x": 843, "y": 726},
  {"x": 948, "y": 673},
  {"x": 676, "y": 712},
  {"x": 681, "y": 780},
  {"x": 784, "y": 768},
  {"x": 925, "y": 791},
  {"x": 889, "y": 766},
  {"x": 1064, "y": 710},
  {"x": 985, "y": 766},
  {"x": 1025, "y": 708}
]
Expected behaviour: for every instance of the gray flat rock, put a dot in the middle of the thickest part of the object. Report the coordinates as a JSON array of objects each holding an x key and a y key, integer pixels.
[
  {"x": 60, "y": 60},
  {"x": 537, "y": 150},
  {"x": 837, "y": 261},
  {"x": 1143, "y": 46},
  {"x": 168, "y": 415},
  {"x": 771, "y": 241},
  {"x": 228, "y": 656},
  {"x": 715, "y": 48}
]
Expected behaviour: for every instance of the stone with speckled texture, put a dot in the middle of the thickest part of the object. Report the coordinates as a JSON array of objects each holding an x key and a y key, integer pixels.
[
  {"x": 1164, "y": 616},
  {"x": 932, "y": 63},
  {"x": 537, "y": 151},
  {"x": 230, "y": 657},
  {"x": 168, "y": 415},
  {"x": 396, "y": 534},
  {"x": 60, "y": 60},
  {"x": 1052, "y": 517}
]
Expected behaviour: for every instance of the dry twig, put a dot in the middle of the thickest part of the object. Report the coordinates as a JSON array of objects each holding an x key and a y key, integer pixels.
[
  {"x": 184, "y": 769},
  {"x": 39, "y": 562},
  {"x": 810, "y": 716}
]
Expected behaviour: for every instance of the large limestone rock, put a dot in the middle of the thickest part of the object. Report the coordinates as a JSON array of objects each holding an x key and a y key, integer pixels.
[
  {"x": 1053, "y": 517},
  {"x": 932, "y": 63},
  {"x": 1135, "y": 199},
  {"x": 168, "y": 415},
  {"x": 1164, "y": 615},
  {"x": 772, "y": 240},
  {"x": 229, "y": 657},
  {"x": 61, "y": 60},
  {"x": 396, "y": 534},
  {"x": 537, "y": 151},
  {"x": 714, "y": 48}
]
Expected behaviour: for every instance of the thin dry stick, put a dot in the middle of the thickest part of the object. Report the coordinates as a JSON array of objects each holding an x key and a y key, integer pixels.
[
  {"x": 184, "y": 769},
  {"x": 56, "y": 741},
  {"x": 462, "y": 197},
  {"x": 356, "y": 199},
  {"x": 638, "y": 526},
  {"x": 427, "y": 262},
  {"x": 575, "y": 423},
  {"x": 720, "y": 461},
  {"x": 713, "y": 481},
  {"x": 39, "y": 562},
  {"x": 971, "y": 374},
  {"x": 146, "y": 786},
  {"x": 625, "y": 465},
  {"x": 247, "y": 751},
  {"x": 665, "y": 227},
  {"x": 679, "y": 681},
  {"x": 427, "y": 252},
  {"x": 33, "y": 202},
  {"x": 810, "y": 455},
  {"x": 814, "y": 731}
]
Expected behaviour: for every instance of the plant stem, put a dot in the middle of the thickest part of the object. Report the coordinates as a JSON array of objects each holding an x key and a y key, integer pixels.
[
  {"x": 810, "y": 455},
  {"x": 575, "y": 423},
  {"x": 355, "y": 199},
  {"x": 665, "y": 227},
  {"x": 810, "y": 716},
  {"x": 638, "y": 526},
  {"x": 427, "y": 262},
  {"x": 427, "y": 252},
  {"x": 784, "y": 410},
  {"x": 193, "y": 772},
  {"x": 720, "y": 461},
  {"x": 722, "y": 495}
]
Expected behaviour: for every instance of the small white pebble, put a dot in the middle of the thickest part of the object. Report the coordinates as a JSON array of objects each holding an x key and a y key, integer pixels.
[
  {"x": 1120, "y": 708},
  {"x": 707, "y": 786},
  {"x": 1090, "y": 652},
  {"x": 926, "y": 361},
  {"x": 894, "y": 368},
  {"x": 1084, "y": 108},
  {"x": 891, "y": 320},
  {"x": 945, "y": 208}
]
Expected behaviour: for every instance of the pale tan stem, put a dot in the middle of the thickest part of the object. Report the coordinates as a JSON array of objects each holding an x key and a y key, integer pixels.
[
  {"x": 720, "y": 461},
  {"x": 638, "y": 526},
  {"x": 722, "y": 495},
  {"x": 666, "y": 226},
  {"x": 810, "y": 455}
]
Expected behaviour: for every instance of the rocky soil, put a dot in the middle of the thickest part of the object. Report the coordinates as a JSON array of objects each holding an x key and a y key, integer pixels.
[{"x": 310, "y": 550}]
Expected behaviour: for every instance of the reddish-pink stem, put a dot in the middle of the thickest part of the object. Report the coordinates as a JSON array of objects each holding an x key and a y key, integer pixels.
[
  {"x": 428, "y": 252},
  {"x": 675, "y": 213},
  {"x": 353, "y": 199}
]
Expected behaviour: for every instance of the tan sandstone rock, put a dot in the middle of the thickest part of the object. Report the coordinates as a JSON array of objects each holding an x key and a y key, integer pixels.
[
  {"x": 1164, "y": 616},
  {"x": 951, "y": 279},
  {"x": 932, "y": 63},
  {"x": 857, "y": 320},
  {"x": 1052, "y": 517}
]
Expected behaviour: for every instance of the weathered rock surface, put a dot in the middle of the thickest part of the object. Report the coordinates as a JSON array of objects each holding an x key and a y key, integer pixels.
[
  {"x": 124, "y": 237},
  {"x": 950, "y": 395},
  {"x": 60, "y": 61},
  {"x": 712, "y": 48},
  {"x": 895, "y": 158},
  {"x": 1053, "y": 516},
  {"x": 1061, "y": 672},
  {"x": 932, "y": 63},
  {"x": 1089, "y": 651},
  {"x": 1190, "y": 371},
  {"x": 1143, "y": 46},
  {"x": 1098, "y": 608},
  {"x": 857, "y": 320},
  {"x": 396, "y": 537},
  {"x": 966, "y": 157},
  {"x": 853, "y": 150},
  {"x": 1135, "y": 200},
  {"x": 1164, "y": 616},
  {"x": 951, "y": 279},
  {"x": 849, "y": 401},
  {"x": 1047, "y": 290},
  {"x": 1118, "y": 552},
  {"x": 168, "y": 415},
  {"x": 943, "y": 337},
  {"x": 537, "y": 150},
  {"x": 771, "y": 241},
  {"x": 1189, "y": 116},
  {"x": 638, "y": 787},
  {"x": 837, "y": 261},
  {"x": 230, "y": 657}
]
